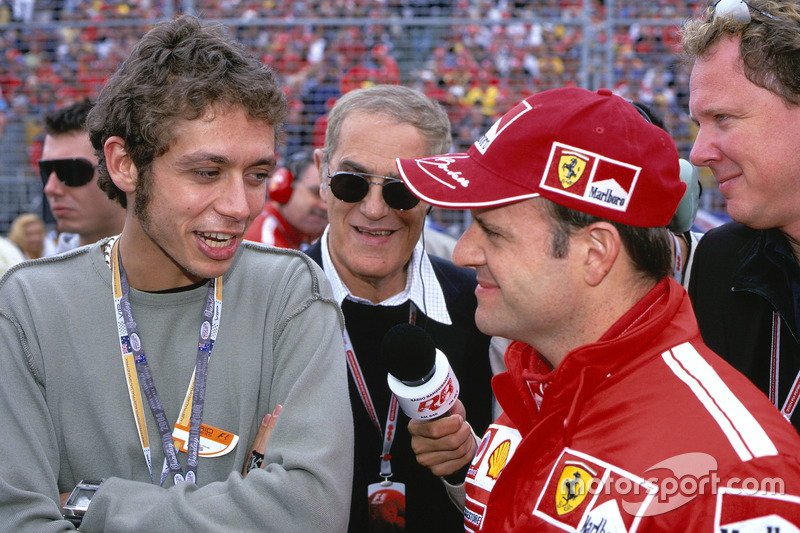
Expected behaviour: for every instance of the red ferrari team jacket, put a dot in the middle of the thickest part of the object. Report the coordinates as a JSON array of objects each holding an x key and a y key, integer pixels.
[
  {"x": 644, "y": 430},
  {"x": 269, "y": 227}
]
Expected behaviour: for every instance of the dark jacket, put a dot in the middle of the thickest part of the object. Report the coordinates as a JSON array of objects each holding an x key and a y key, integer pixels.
[
  {"x": 428, "y": 507},
  {"x": 735, "y": 286}
]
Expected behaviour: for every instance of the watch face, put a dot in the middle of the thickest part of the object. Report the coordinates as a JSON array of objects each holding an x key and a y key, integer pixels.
[
  {"x": 80, "y": 498},
  {"x": 256, "y": 460}
]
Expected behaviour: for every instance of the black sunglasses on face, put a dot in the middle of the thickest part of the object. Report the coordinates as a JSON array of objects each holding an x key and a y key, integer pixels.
[
  {"x": 352, "y": 187},
  {"x": 73, "y": 172}
]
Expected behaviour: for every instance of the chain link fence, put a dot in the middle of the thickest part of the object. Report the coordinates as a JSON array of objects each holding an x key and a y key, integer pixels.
[{"x": 478, "y": 58}]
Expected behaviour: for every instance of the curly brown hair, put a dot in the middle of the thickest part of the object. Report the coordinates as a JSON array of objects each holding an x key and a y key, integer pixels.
[{"x": 179, "y": 70}]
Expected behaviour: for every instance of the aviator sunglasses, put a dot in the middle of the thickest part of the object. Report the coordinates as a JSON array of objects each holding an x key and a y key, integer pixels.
[
  {"x": 352, "y": 187},
  {"x": 738, "y": 10},
  {"x": 72, "y": 172}
]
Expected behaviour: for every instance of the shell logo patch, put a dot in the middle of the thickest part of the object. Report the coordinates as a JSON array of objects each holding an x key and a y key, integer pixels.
[
  {"x": 494, "y": 452},
  {"x": 571, "y": 167},
  {"x": 498, "y": 459},
  {"x": 573, "y": 487}
]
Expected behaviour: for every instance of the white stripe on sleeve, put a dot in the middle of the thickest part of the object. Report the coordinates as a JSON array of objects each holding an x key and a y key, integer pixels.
[{"x": 741, "y": 428}]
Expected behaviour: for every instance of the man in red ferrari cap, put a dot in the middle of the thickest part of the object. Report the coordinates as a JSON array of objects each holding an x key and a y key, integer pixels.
[{"x": 616, "y": 417}]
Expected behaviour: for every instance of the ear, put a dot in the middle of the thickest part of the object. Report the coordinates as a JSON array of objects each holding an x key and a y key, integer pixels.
[
  {"x": 602, "y": 245},
  {"x": 319, "y": 160},
  {"x": 120, "y": 167}
]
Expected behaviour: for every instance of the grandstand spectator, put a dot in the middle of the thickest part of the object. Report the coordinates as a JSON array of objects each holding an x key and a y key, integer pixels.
[
  {"x": 472, "y": 126},
  {"x": 321, "y": 85},
  {"x": 484, "y": 92},
  {"x": 387, "y": 69},
  {"x": 22, "y": 10},
  {"x": 296, "y": 132},
  {"x": 14, "y": 140}
]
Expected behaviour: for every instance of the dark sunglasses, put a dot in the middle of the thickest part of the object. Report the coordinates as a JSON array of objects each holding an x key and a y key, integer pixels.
[
  {"x": 353, "y": 187},
  {"x": 73, "y": 172}
]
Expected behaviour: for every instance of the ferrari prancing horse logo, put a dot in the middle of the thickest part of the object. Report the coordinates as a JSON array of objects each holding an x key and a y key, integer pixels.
[
  {"x": 573, "y": 487},
  {"x": 571, "y": 167}
]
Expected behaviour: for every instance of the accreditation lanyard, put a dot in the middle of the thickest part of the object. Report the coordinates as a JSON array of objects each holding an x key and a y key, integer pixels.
[
  {"x": 794, "y": 393},
  {"x": 677, "y": 269},
  {"x": 133, "y": 356},
  {"x": 391, "y": 418}
]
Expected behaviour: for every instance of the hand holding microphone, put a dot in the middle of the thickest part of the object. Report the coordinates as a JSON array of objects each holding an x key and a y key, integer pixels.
[{"x": 427, "y": 391}]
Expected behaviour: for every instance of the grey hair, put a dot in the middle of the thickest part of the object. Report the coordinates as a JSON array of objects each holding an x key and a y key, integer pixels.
[{"x": 401, "y": 104}]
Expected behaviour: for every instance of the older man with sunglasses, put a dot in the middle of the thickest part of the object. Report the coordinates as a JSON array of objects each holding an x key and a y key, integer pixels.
[
  {"x": 745, "y": 98},
  {"x": 373, "y": 254},
  {"x": 83, "y": 212}
]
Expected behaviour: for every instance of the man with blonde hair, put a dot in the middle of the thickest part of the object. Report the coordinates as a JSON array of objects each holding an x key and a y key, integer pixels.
[{"x": 745, "y": 98}]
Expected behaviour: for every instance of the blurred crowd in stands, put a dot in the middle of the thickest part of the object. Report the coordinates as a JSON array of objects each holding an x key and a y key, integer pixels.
[{"x": 477, "y": 57}]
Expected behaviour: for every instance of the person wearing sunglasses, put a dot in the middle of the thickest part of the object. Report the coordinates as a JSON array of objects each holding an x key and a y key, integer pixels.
[
  {"x": 139, "y": 374},
  {"x": 745, "y": 99},
  {"x": 373, "y": 254},
  {"x": 294, "y": 215},
  {"x": 83, "y": 212}
]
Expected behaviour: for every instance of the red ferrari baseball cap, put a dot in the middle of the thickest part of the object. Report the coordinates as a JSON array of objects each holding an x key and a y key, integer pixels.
[{"x": 590, "y": 151}]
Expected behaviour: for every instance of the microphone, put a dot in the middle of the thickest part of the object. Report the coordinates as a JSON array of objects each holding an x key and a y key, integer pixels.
[{"x": 419, "y": 374}]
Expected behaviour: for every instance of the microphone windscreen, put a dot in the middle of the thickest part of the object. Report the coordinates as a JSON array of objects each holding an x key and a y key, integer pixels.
[{"x": 408, "y": 353}]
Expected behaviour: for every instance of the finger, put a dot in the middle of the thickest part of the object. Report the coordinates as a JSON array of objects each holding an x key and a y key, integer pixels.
[
  {"x": 260, "y": 442},
  {"x": 445, "y": 463},
  {"x": 265, "y": 429},
  {"x": 448, "y": 454},
  {"x": 440, "y": 427},
  {"x": 255, "y": 458},
  {"x": 268, "y": 427},
  {"x": 435, "y": 429},
  {"x": 458, "y": 409}
]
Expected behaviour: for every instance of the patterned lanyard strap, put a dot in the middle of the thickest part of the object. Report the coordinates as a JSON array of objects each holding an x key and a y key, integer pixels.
[
  {"x": 133, "y": 356},
  {"x": 775, "y": 350}
]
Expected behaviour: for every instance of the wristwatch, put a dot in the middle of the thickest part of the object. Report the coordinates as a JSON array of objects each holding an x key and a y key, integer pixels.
[{"x": 79, "y": 500}]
